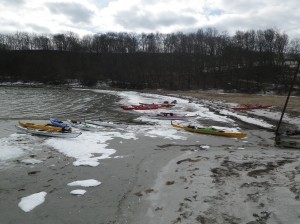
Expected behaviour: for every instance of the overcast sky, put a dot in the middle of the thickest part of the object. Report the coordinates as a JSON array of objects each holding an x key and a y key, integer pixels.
[{"x": 165, "y": 16}]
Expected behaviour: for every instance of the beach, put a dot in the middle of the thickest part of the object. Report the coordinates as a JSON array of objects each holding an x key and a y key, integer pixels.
[
  {"x": 203, "y": 180},
  {"x": 158, "y": 175},
  {"x": 238, "y": 182}
]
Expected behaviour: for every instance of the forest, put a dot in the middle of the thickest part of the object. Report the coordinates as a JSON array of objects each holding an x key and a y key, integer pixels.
[{"x": 248, "y": 61}]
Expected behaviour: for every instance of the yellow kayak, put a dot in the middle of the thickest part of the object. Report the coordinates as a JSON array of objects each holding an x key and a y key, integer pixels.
[
  {"x": 44, "y": 127},
  {"x": 210, "y": 131}
]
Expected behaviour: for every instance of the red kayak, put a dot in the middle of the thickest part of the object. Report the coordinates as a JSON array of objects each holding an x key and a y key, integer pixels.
[
  {"x": 250, "y": 107},
  {"x": 137, "y": 107},
  {"x": 147, "y": 106},
  {"x": 162, "y": 105}
]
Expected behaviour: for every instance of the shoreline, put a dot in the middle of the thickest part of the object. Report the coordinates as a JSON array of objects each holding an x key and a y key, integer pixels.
[
  {"x": 237, "y": 98},
  {"x": 200, "y": 179}
]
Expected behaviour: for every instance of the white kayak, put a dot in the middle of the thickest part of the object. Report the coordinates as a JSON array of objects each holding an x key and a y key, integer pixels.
[
  {"x": 106, "y": 123},
  {"x": 82, "y": 125},
  {"x": 48, "y": 133}
]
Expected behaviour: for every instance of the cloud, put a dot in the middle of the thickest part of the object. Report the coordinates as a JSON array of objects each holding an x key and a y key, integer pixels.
[
  {"x": 38, "y": 29},
  {"x": 102, "y": 3},
  {"x": 139, "y": 19},
  {"x": 13, "y": 2},
  {"x": 77, "y": 13},
  {"x": 168, "y": 16}
]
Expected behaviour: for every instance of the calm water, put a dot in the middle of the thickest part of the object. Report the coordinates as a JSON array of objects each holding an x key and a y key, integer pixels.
[
  {"x": 37, "y": 105},
  {"x": 27, "y": 103}
]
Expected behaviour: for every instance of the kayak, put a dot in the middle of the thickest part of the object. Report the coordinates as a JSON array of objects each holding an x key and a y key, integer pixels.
[
  {"x": 172, "y": 116},
  {"x": 42, "y": 132},
  {"x": 43, "y": 127},
  {"x": 82, "y": 125},
  {"x": 210, "y": 131},
  {"x": 249, "y": 107},
  {"x": 106, "y": 123},
  {"x": 161, "y": 105},
  {"x": 140, "y": 107},
  {"x": 147, "y": 106}
]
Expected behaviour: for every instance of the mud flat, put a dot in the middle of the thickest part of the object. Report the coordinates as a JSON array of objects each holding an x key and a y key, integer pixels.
[
  {"x": 130, "y": 173},
  {"x": 217, "y": 180},
  {"x": 200, "y": 179}
]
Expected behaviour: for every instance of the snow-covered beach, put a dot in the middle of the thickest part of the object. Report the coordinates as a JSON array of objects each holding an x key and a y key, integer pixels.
[{"x": 153, "y": 173}]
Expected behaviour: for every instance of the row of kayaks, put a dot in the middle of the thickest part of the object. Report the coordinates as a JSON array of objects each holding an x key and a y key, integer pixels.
[
  {"x": 150, "y": 106},
  {"x": 166, "y": 105},
  {"x": 173, "y": 116},
  {"x": 162, "y": 115},
  {"x": 60, "y": 129}
]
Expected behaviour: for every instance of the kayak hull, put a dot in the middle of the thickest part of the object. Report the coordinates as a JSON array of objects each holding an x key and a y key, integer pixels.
[
  {"x": 40, "y": 127},
  {"x": 210, "y": 131},
  {"x": 82, "y": 125},
  {"x": 48, "y": 133},
  {"x": 105, "y": 124},
  {"x": 148, "y": 106}
]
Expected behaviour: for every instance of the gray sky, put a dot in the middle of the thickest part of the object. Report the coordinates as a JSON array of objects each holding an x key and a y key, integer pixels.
[{"x": 165, "y": 16}]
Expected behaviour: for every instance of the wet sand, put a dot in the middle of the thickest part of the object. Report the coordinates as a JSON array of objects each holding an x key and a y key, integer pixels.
[
  {"x": 163, "y": 181},
  {"x": 204, "y": 179},
  {"x": 237, "y": 181},
  {"x": 140, "y": 160}
]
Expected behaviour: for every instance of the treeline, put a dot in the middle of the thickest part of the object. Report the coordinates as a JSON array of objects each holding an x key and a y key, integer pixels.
[{"x": 246, "y": 61}]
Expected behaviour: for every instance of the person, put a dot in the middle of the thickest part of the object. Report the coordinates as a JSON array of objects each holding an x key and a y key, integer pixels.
[
  {"x": 65, "y": 129},
  {"x": 292, "y": 132}
]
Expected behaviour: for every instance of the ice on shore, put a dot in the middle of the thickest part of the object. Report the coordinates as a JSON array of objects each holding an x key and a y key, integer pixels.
[
  {"x": 204, "y": 146},
  {"x": 247, "y": 119},
  {"x": 78, "y": 192},
  {"x": 85, "y": 183},
  {"x": 30, "y": 202},
  {"x": 31, "y": 161},
  {"x": 85, "y": 147},
  {"x": 8, "y": 148}
]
